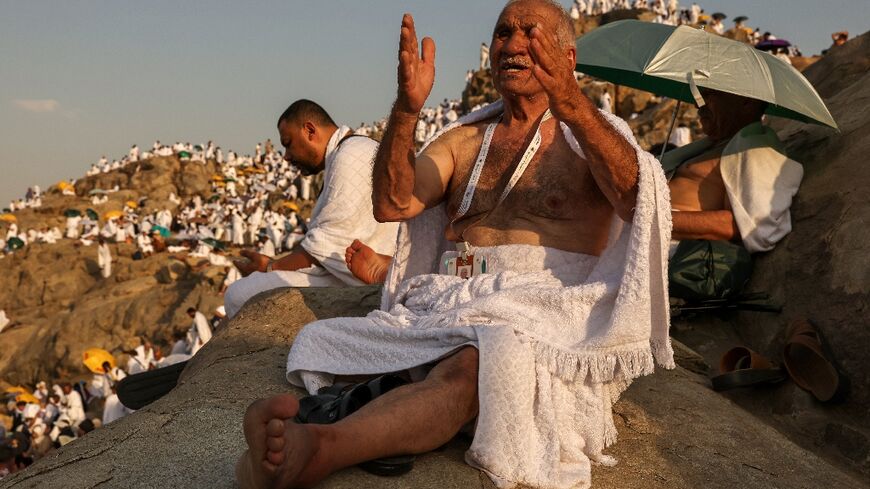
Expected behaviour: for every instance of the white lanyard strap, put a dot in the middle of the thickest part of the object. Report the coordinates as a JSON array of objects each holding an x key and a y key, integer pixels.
[{"x": 530, "y": 152}]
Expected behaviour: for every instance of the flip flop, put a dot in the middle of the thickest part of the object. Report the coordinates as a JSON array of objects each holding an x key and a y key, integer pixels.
[
  {"x": 339, "y": 401},
  {"x": 139, "y": 390},
  {"x": 808, "y": 359},
  {"x": 742, "y": 367}
]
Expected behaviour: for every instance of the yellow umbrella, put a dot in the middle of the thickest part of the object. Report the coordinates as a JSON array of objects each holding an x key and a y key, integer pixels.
[
  {"x": 27, "y": 397},
  {"x": 15, "y": 390},
  {"x": 217, "y": 178},
  {"x": 8, "y": 218},
  {"x": 113, "y": 214},
  {"x": 63, "y": 185},
  {"x": 94, "y": 359},
  {"x": 291, "y": 205},
  {"x": 132, "y": 204},
  {"x": 221, "y": 184}
]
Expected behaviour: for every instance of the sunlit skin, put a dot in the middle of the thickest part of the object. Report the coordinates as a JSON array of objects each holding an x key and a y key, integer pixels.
[{"x": 697, "y": 189}]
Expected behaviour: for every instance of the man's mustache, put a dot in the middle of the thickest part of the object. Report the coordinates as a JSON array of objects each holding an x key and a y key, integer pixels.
[{"x": 520, "y": 61}]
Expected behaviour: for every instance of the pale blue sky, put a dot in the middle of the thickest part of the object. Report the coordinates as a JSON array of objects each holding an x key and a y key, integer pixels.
[{"x": 83, "y": 78}]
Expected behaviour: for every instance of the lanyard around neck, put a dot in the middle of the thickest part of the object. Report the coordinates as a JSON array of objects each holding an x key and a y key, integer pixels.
[{"x": 530, "y": 152}]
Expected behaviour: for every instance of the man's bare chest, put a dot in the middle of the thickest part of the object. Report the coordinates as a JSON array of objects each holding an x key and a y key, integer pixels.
[{"x": 556, "y": 184}]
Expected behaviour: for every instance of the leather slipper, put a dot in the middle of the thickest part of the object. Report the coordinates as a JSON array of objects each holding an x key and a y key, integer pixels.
[
  {"x": 808, "y": 359},
  {"x": 742, "y": 367}
]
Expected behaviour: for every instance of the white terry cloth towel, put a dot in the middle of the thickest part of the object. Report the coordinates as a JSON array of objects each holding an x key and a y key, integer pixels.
[
  {"x": 761, "y": 182},
  {"x": 343, "y": 213},
  {"x": 560, "y": 335}
]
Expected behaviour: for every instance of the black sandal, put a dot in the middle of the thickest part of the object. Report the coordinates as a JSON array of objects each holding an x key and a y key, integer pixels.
[{"x": 339, "y": 401}]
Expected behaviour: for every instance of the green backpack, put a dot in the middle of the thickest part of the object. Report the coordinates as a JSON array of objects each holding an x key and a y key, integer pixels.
[{"x": 702, "y": 270}]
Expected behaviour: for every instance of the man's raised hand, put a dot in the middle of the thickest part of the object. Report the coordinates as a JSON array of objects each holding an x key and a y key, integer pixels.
[
  {"x": 416, "y": 72},
  {"x": 554, "y": 69}
]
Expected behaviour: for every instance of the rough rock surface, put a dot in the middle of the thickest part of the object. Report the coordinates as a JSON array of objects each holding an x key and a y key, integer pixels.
[{"x": 674, "y": 431}]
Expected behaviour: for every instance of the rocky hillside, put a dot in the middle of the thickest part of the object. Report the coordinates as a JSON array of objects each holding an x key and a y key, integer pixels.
[{"x": 60, "y": 305}]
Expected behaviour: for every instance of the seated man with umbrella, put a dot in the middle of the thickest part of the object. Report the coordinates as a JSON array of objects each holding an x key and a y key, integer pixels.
[{"x": 735, "y": 186}]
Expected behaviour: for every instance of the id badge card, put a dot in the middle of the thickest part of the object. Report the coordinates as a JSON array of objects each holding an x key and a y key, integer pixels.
[{"x": 466, "y": 266}]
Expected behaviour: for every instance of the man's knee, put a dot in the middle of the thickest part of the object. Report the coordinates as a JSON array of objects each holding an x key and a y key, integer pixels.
[{"x": 460, "y": 369}]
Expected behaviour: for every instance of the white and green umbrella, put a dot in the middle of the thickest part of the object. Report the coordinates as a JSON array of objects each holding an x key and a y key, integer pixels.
[{"x": 673, "y": 61}]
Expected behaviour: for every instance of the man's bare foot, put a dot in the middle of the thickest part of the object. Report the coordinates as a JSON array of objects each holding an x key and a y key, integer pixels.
[
  {"x": 366, "y": 264},
  {"x": 281, "y": 453}
]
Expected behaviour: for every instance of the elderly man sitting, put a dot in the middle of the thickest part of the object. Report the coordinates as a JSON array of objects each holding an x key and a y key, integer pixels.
[{"x": 552, "y": 303}]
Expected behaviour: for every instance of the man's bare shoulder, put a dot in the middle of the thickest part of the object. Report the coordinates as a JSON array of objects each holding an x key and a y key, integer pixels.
[{"x": 459, "y": 137}]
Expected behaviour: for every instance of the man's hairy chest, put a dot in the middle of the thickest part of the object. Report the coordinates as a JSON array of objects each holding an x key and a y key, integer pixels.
[{"x": 557, "y": 183}]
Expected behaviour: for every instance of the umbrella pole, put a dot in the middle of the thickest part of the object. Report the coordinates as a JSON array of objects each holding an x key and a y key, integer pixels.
[{"x": 668, "y": 138}]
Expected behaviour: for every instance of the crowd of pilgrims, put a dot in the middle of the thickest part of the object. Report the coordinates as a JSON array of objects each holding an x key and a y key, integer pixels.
[
  {"x": 49, "y": 418},
  {"x": 669, "y": 12}
]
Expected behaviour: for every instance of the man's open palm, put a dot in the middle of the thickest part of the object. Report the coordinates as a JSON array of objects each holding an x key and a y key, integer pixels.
[{"x": 416, "y": 72}]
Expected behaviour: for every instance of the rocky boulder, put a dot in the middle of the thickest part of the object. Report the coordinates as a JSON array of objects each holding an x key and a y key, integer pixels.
[{"x": 674, "y": 431}]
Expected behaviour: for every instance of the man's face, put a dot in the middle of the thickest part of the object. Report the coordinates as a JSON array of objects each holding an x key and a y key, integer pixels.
[
  {"x": 300, "y": 149},
  {"x": 724, "y": 113},
  {"x": 510, "y": 54}
]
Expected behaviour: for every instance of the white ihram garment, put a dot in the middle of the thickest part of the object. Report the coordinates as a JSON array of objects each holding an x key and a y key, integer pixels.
[
  {"x": 343, "y": 213},
  {"x": 560, "y": 335}
]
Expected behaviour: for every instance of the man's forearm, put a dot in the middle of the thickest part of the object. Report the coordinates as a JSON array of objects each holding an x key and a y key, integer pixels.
[
  {"x": 294, "y": 261},
  {"x": 612, "y": 160},
  {"x": 709, "y": 225},
  {"x": 393, "y": 174}
]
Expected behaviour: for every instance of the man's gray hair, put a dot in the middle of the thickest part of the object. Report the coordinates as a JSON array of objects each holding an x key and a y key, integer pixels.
[{"x": 564, "y": 22}]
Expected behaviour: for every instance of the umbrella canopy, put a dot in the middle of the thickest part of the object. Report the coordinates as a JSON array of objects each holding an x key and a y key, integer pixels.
[
  {"x": 217, "y": 178},
  {"x": 160, "y": 229},
  {"x": 218, "y": 245},
  {"x": 63, "y": 185},
  {"x": 15, "y": 390},
  {"x": 72, "y": 213},
  {"x": 94, "y": 358},
  {"x": 184, "y": 154},
  {"x": 720, "y": 16},
  {"x": 291, "y": 205},
  {"x": 27, "y": 397},
  {"x": 8, "y": 218},
  {"x": 666, "y": 60},
  {"x": 131, "y": 204},
  {"x": 92, "y": 214},
  {"x": 14, "y": 243},
  {"x": 742, "y": 18},
  {"x": 772, "y": 44},
  {"x": 113, "y": 214},
  {"x": 97, "y": 191},
  {"x": 214, "y": 198}
]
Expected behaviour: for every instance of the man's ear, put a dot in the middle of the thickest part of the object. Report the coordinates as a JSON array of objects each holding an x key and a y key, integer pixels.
[
  {"x": 571, "y": 53},
  {"x": 310, "y": 130}
]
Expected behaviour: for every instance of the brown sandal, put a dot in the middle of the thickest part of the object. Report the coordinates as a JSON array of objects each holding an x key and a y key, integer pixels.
[
  {"x": 809, "y": 362},
  {"x": 742, "y": 367}
]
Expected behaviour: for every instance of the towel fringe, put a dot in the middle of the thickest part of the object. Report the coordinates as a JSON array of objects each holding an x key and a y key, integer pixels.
[{"x": 600, "y": 367}]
